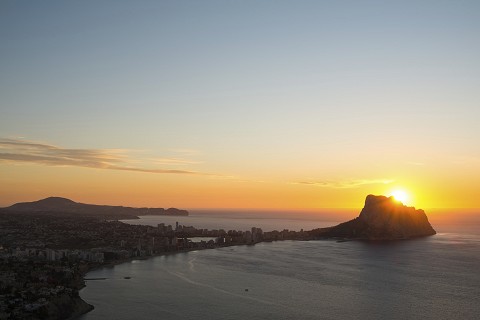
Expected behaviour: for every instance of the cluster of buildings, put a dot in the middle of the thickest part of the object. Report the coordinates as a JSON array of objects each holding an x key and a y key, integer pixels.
[
  {"x": 45, "y": 256},
  {"x": 31, "y": 287},
  {"x": 109, "y": 241}
]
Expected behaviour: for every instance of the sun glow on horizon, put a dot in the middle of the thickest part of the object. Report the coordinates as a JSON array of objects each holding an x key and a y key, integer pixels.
[{"x": 401, "y": 195}]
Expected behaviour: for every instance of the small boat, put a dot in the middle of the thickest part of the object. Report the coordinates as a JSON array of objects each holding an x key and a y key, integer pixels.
[{"x": 127, "y": 277}]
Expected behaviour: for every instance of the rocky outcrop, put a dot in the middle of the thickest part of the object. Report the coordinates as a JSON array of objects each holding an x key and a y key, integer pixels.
[
  {"x": 382, "y": 218},
  {"x": 65, "y": 306}
]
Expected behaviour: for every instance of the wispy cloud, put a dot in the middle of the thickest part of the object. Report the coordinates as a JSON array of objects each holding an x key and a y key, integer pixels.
[
  {"x": 185, "y": 151},
  {"x": 174, "y": 161},
  {"x": 18, "y": 151},
  {"x": 345, "y": 184},
  {"x": 413, "y": 163}
]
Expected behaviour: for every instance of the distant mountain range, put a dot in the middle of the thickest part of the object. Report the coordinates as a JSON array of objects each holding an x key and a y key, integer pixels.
[{"x": 63, "y": 205}]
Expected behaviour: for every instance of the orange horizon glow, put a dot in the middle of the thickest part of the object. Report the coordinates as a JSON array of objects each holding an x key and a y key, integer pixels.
[{"x": 30, "y": 182}]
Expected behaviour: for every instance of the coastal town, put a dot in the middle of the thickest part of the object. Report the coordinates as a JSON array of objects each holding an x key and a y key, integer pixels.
[{"x": 45, "y": 256}]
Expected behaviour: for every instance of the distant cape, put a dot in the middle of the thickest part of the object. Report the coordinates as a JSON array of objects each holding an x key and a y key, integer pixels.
[
  {"x": 63, "y": 205},
  {"x": 382, "y": 218}
]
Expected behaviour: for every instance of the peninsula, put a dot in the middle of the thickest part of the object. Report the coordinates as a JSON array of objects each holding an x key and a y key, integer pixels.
[{"x": 63, "y": 205}]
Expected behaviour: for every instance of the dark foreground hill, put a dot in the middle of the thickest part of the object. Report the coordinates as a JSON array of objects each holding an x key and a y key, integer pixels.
[
  {"x": 382, "y": 218},
  {"x": 63, "y": 205}
]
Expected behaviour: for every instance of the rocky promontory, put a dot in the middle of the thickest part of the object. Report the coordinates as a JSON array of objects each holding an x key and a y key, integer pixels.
[
  {"x": 63, "y": 205},
  {"x": 382, "y": 218}
]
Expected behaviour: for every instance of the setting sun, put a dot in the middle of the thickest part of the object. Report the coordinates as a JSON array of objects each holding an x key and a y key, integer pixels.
[{"x": 400, "y": 195}]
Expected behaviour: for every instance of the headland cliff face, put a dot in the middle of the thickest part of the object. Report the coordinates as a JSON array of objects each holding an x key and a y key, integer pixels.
[{"x": 383, "y": 218}]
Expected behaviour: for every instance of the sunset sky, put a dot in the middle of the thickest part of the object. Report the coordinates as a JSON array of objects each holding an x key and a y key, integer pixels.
[{"x": 240, "y": 104}]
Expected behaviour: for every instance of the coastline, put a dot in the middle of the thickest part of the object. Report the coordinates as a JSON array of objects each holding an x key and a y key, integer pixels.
[
  {"x": 80, "y": 309},
  {"x": 78, "y": 312}
]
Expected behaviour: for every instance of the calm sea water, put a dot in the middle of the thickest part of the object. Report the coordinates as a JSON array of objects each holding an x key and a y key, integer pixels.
[
  {"x": 240, "y": 220},
  {"x": 431, "y": 278}
]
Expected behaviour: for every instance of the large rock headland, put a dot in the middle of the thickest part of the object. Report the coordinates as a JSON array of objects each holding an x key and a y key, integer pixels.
[{"x": 382, "y": 218}]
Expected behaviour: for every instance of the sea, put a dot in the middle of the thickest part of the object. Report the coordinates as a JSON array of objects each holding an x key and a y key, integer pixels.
[{"x": 435, "y": 277}]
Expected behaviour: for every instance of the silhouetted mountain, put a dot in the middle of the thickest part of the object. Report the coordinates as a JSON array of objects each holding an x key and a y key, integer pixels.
[
  {"x": 47, "y": 204},
  {"x": 382, "y": 218},
  {"x": 63, "y": 205}
]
